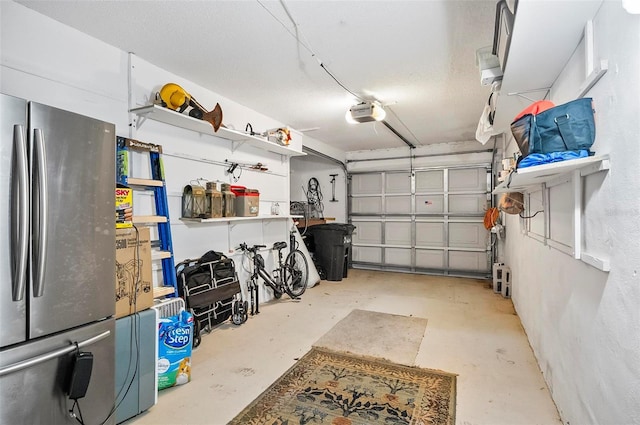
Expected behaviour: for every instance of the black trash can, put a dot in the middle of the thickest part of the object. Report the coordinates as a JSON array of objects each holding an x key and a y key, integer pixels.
[{"x": 333, "y": 247}]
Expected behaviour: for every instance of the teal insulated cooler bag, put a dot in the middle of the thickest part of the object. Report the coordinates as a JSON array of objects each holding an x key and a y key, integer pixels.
[{"x": 567, "y": 127}]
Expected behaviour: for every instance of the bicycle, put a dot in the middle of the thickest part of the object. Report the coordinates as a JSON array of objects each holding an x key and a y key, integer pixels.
[{"x": 289, "y": 277}]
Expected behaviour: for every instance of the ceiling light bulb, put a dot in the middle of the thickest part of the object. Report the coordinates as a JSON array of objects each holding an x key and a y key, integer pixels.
[{"x": 378, "y": 112}]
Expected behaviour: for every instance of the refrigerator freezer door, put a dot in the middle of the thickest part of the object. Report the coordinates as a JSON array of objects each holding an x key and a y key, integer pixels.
[
  {"x": 13, "y": 121},
  {"x": 37, "y": 394},
  {"x": 136, "y": 343},
  {"x": 73, "y": 220}
]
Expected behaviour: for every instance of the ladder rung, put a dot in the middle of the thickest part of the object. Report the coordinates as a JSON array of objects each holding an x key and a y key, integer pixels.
[
  {"x": 144, "y": 182},
  {"x": 162, "y": 291},
  {"x": 160, "y": 255},
  {"x": 149, "y": 219}
]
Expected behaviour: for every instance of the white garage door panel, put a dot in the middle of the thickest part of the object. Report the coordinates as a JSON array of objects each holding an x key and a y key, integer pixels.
[
  {"x": 429, "y": 259},
  {"x": 470, "y": 179},
  {"x": 472, "y": 261},
  {"x": 430, "y": 234},
  {"x": 367, "y": 254},
  {"x": 430, "y": 221},
  {"x": 397, "y": 257},
  {"x": 429, "y": 181},
  {"x": 429, "y": 204},
  {"x": 367, "y": 232},
  {"x": 467, "y": 235},
  {"x": 398, "y": 205},
  {"x": 397, "y": 183},
  {"x": 367, "y": 205},
  {"x": 397, "y": 233},
  {"x": 366, "y": 184},
  {"x": 467, "y": 204}
]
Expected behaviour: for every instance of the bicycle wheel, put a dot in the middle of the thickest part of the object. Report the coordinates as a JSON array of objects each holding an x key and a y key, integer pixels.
[
  {"x": 239, "y": 315},
  {"x": 296, "y": 273}
]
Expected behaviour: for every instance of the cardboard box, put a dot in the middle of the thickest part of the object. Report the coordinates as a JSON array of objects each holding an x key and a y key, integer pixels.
[
  {"x": 124, "y": 207},
  {"x": 134, "y": 285}
]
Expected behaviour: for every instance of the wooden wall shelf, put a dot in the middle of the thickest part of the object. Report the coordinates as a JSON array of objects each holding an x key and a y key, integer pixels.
[
  {"x": 167, "y": 116},
  {"x": 531, "y": 178},
  {"x": 234, "y": 219},
  {"x": 543, "y": 177}
]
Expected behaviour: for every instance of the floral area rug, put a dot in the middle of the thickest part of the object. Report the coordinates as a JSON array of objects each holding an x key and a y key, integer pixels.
[{"x": 327, "y": 387}]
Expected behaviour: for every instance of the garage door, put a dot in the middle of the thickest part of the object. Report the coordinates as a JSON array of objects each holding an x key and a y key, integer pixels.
[{"x": 428, "y": 221}]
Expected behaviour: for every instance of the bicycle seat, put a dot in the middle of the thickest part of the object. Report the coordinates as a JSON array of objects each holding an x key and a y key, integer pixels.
[{"x": 279, "y": 245}]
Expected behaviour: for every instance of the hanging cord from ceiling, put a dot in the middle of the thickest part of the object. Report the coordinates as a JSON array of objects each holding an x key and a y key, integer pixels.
[
  {"x": 411, "y": 158},
  {"x": 307, "y": 46}
]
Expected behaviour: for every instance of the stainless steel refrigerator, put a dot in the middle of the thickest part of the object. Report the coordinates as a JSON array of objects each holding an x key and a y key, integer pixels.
[{"x": 57, "y": 263}]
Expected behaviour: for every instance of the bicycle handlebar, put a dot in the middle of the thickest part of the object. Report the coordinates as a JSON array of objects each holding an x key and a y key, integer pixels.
[{"x": 243, "y": 246}]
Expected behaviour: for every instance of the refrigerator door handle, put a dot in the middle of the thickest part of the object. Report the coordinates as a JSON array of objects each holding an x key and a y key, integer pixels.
[
  {"x": 39, "y": 212},
  {"x": 19, "y": 213},
  {"x": 52, "y": 354}
]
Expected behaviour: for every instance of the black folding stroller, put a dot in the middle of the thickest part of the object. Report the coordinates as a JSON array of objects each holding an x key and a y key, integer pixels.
[{"x": 210, "y": 288}]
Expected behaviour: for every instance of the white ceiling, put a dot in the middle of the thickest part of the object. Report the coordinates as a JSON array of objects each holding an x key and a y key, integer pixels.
[{"x": 416, "y": 57}]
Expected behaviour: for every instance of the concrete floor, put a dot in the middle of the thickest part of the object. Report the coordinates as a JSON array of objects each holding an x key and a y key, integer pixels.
[{"x": 470, "y": 331}]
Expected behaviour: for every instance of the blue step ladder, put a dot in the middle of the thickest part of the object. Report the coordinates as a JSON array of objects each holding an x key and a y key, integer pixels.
[{"x": 161, "y": 218}]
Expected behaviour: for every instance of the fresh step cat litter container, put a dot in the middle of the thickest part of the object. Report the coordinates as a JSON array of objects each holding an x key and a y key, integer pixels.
[{"x": 175, "y": 343}]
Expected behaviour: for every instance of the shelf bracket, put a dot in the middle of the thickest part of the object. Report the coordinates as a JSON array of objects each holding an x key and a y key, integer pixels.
[
  {"x": 593, "y": 72},
  {"x": 546, "y": 91},
  {"x": 546, "y": 201},
  {"x": 577, "y": 214},
  {"x": 595, "y": 168},
  {"x": 593, "y": 78},
  {"x": 597, "y": 262},
  {"x": 141, "y": 120},
  {"x": 236, "y": 145}
]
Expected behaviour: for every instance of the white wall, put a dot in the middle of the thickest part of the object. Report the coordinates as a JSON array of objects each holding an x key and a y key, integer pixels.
[
  {"x": 304, "y": 168},
  {"x": 582, "y": 323},
  {"x": 45, "y": 61}
]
